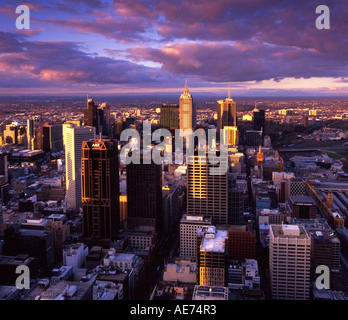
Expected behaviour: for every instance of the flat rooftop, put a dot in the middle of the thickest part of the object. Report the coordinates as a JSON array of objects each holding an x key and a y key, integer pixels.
[
  {"x": 216, "y": 244},
  {"x": 289, "y": 231}
]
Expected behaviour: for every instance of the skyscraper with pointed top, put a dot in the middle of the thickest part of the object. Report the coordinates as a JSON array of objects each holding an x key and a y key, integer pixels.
[
  {"x": 227, "y": 118},
  {"x": 187, "y": 110}
]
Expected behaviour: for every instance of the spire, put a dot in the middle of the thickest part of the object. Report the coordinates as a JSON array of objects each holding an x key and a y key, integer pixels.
[
  {"x": 186, "y": 86},
  {"x": 229, "y": 91}
]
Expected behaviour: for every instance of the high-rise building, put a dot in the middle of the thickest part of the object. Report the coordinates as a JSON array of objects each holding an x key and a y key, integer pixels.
[
  {"x": 235, "y": 202},
  {"x": 207, "y": 194},
  {"x": 144, "y": 197},
  {"x": 100, "y": 189},
  {"x": 211, "y": 256},
  {"x": 187, "y": 109},
  {"x": 91, "y": 117},
  {"x": 289, "y": 262},
  {"x": 104, "y": 114},
  {"x": 52, "y": 138},
  {"x": 74, "y": 137},
  {"x": 188, "y": 234},
  {"x": 34, "y": 133},
  {"x": 259, "y": 121},
  {"x": 227, "y": 115},
  {"x": 170, "y": 116}
]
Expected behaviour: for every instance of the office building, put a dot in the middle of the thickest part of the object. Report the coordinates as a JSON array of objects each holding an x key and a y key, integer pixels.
[
  {"x": 227, "y": 113},
  {"x": 187, "y": 110},
  {"x": 144, "y": 197},
  {"x": 259, "y": 120},
  {"x": 241, "y": 241},
  {"x": 211, "y": 256},
  {"x": 100, "y": 189},
  {"x": 34, "y": 133},
  {"x": 52, "y": 138},
  {"x": 289, "y": 262},
  {"x": 189, "y": 224},
  {"x": 207, "y": 194},
  {"x": 235, "y": 202},
  {"x": 74, "y": 137},
  {"x": 170, "y": 116},
  {"x": 302, "y": 207}
]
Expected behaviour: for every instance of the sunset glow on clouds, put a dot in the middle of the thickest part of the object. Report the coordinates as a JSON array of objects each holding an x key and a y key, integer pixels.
[{"x": 263, "y": 47}]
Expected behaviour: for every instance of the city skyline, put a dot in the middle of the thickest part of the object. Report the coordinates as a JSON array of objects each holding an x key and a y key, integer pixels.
[{"x": 261, "y": 48}]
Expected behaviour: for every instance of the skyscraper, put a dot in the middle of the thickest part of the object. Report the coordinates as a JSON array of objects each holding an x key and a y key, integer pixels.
[
  {"x": 207, "y": 193},
  {"x": 227, "y": 113},
  {"x": 34, "y": 133},
  {"x": 144, "y": 197},
  {"x": 170, "y": 116},
  {"x": 91, "y": 115},
  {"x": 235, "y": 202},
  {"x": 289, "y": 262},
  {"x": 211, "y": 256},
  {"x": 104, "y": 119},
  {"x": 100, "y": 189},
  {"x": 74, "y": 137},
  {"x": 259, "y": 120},
  {"x": 187, "y": 117},
  {"x": 52, "y": 138}
]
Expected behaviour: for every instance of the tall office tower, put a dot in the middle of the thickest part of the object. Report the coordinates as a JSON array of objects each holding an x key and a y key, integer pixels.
[
  {"x": 74, "y": 137},
  {"x": 289, "y": 262},
  {"x": 91, "y": 116},
  {"x": 235, "y": 202},
  {"x": 100, "y": 189},
  {"x": 52, "y": 138},
  {"x": 104, "y": 119},
  {"x": 34, "y": 133},
  {"x": 259, "y": 121},
  {"x": 187, "y": 109},
  {"x": 170, "y": 116},
  {"x": 207, "y": 194},
  {"x": 144, "y": 197},
  {"x": 211, "y": 256},
  {"x": 188, "y": 234},
  {"x": 227, "y": 113}
]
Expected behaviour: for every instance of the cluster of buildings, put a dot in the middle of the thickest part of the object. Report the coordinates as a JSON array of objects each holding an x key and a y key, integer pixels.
[{"x": 91, "y": 227}]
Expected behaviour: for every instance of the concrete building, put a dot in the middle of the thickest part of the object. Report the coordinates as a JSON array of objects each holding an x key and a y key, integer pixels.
[
  {"x": 75, "y": 255},
  {"x": 207, "y": 193},
  {"x": 189, "y": 224},
  {"x": 289, "y": 262},
  {"x": 211, "y": 256},
  {"x": 74, "y": 138}
]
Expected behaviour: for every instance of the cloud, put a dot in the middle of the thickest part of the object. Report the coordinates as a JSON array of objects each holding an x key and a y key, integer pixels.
[
  {"x": 62, "y": 63},
  {"x": 239, "y": 61}
]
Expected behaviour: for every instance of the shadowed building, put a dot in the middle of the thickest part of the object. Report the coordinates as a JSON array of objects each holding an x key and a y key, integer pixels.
[{"x": 100, "y": 189}]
